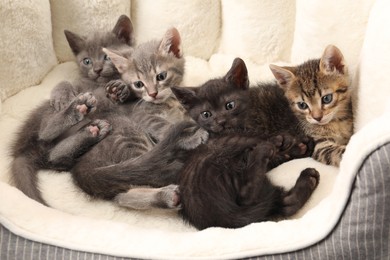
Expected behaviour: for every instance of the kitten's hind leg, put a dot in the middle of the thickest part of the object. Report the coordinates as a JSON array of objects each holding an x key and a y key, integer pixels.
[
  {"x": 147, "y": 198},
  {"x": 257, "y": 160},
  {"x": 63, "y": 120},
  {"x": 294, "y": 199},
  {"x": 72, "y": 147}
]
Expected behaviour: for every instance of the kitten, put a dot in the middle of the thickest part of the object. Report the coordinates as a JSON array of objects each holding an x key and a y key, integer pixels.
[
  {"x": 136, "y": 165},
  {"x": 149, "y": 72},
  {"x": 252, "y": 130},
  {"x": 318, "y": 93},
  {"x": 56, "y": 133}
]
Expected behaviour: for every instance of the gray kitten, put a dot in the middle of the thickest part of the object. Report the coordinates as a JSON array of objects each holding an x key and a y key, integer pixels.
[
  {"x": 56, "y": 133},
  {"x": 137, "y": 164}
]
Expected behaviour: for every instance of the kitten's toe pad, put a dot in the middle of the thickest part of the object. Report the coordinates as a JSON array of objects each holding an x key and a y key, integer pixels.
[
  {"x": 86, "y": 103},
  {"x": 117, "y": 91},
  {"x": 99, "y": 128}
]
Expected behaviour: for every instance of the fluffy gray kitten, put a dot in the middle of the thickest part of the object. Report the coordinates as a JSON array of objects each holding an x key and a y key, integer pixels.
[
  {"x": 136, "y": 165},
  {"x": 57, "y": 132}
]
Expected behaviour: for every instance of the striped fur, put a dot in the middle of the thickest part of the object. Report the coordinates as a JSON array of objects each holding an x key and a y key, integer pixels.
[{"x": 319, "y": 94}]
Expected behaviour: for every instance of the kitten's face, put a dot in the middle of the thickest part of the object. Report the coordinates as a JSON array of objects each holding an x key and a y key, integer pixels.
[
  {"x": 93, "y": 63},
  {"x": 221, "y": 104},
  {"x": 317, "y": 89},
  {"x": 154, "y": 73},
  {"x": 153, "y": 67}
]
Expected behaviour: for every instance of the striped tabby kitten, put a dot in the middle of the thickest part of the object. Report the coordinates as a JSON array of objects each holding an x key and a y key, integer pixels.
[{"x": 319, "y": 94}]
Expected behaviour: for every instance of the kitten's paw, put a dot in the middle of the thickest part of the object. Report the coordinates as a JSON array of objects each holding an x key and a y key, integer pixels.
[
  {"x": 99, "y": 128},
  {"x": 291, "y": 147},
  {"x": 83, "y": 104},
  {"x": 169, "y": 197},
  {"x": 195, "y": 137},
  {"x": 295, "y": 199},
  {"x": 117, "y": 91}
]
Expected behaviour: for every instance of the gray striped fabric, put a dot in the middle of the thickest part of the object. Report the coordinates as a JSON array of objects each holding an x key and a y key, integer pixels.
[{"x": 362, "y": 233}]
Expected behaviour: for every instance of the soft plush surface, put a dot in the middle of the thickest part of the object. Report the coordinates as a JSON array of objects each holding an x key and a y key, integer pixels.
[{"x": 213, "y": 34}]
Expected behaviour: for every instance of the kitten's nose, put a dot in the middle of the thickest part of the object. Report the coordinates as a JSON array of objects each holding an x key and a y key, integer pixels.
[
  {"x": 153, "y": 95},
  {"x": 221, "y": 121},
  {"x": 317, "y": 118},
  {"x": 97, "y": 70}
]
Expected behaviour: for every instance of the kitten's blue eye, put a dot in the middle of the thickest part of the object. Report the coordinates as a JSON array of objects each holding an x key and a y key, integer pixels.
[
  {"x": 327, "y": 99},
  {"x": 206, "y": 114},
  {"x": 139, "y": 84},
  {"x": 87, "y": 61},
  {"x": 302, "y": 105},
  {"x": 106, "y": 57},
  {"x": 230, "y": 105},
  {"x": 161, "y": 76}
]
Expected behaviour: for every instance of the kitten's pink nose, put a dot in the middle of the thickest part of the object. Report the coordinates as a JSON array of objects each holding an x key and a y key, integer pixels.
[
  {"x": 153, "y": 95},
  {"x": 317, "y": 118}
]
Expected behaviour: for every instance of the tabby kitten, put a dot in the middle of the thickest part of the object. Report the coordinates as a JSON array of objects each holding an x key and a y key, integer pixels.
[
  {"x": 252, "y": 130},
  {"x": 56, "y": 133},
  {"x": 318, "y": 93},
  {"x": 136, "y": 165}
]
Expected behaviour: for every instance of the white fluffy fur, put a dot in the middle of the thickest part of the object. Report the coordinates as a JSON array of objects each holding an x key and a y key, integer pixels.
[
  {"x": 26, "y": 45},
  {"x": 213, "y": 34},
  {"x": 373, "y": 80},
  {"x": 197, "y": 21},
  {"x": 261, "y": 31}
]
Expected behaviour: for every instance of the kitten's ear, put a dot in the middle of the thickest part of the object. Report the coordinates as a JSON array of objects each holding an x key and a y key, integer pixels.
[
  {"x": 124, "y": 30},
  {"x": 186, "y": 96},
  {"x": 283, "y": 75},
  {"x": 121, "y": 63},
  {"x": 238, "y": 74},
  {"x": 332, "y": 61},
  {"x": 75, "y": 41},
  {"x": 170, "y": 43}
]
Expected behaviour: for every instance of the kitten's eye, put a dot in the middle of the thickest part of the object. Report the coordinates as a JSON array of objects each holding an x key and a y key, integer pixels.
[
  {"x": 327, "y": 99},
  {"x": 230, "y": 105},
  {"x": 161, "y": 76},
  {"x": 139, "y": 84},
  {"x": 106, "y": 57},
  {"x": 206, "y": 114},
  {"x": 302, "y": 105},
  {"x": 87, "y": 61}
]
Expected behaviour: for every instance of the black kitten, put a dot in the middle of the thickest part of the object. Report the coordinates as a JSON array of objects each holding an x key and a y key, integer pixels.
[{"x": 252, "y": 131}]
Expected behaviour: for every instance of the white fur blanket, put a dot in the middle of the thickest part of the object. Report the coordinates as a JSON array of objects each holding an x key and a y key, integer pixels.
[{"x": 79, "y": 223}]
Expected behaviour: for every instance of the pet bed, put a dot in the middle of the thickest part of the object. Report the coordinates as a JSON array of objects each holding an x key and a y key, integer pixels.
[{"x": 348, "y": 214}]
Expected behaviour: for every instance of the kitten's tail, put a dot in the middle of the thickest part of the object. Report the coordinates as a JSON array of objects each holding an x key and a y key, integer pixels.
[{"x": 24, "y": 176}]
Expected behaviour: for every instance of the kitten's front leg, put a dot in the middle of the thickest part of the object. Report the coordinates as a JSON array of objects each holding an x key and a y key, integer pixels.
[
  {"x": 119, "y": 92},
  {"x": 328, "y": 152},
  {"x": 290, "y": 147}
]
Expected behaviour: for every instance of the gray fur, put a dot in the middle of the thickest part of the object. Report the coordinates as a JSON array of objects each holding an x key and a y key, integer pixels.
[
  {"x": 61, "y": 120},
  {"x": 137, "y": 164}
]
